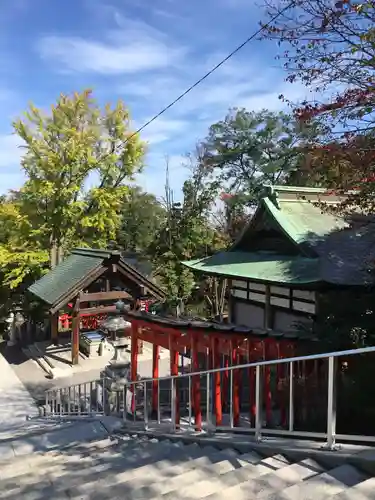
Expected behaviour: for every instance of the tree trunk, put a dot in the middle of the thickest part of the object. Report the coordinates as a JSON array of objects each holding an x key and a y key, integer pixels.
[
  {"x": 53, "y": 255},
  {"x": 60, "y": 254}
]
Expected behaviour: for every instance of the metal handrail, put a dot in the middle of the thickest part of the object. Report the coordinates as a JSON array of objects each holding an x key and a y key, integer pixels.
[
  {"x": 310, "y": 357},
  {"x": 134, "y": 395}
]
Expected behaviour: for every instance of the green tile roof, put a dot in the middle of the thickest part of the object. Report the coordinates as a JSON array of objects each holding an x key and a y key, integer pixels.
[
  {"x": 66, "y": 276},
  {"x": 303, "y": 221},
  {"x": 259, "y": 266},
  {"x": 328, "y": 249}
]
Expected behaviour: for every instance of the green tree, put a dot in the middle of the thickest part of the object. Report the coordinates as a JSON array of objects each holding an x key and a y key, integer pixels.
[
  {"x": 77, "y": 160},
  {"x": 187, "y": 233},
  {"x": 142, "y": 216},
  {"x": 21, "y": 256},
  {"x": 248, "y": 149}
]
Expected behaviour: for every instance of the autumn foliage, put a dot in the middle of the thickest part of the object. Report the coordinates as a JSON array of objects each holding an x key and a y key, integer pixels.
[{"x": 330, "y": 48}]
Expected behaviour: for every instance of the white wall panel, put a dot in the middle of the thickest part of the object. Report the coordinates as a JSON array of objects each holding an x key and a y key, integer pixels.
[{"x": 249, "y": 315}]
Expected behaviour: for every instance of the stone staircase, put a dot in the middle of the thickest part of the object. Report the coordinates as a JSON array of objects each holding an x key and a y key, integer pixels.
[{"x": 102, "y": 459}]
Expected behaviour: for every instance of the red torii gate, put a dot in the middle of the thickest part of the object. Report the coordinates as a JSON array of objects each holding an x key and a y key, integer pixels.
[{"x": 234, "y": 342}]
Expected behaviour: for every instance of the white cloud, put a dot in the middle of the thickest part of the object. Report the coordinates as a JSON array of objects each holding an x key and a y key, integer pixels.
[
  {"x": 188, "y": 121},
  {"x": 132, "y": 47},
  {"x": 150, "y": 66},
  {"x": 163, "y": 129},
  {"x": 209, "y": 102},
  {"x": 161, "y": 87},
  {"x": 81, "y": 55}
]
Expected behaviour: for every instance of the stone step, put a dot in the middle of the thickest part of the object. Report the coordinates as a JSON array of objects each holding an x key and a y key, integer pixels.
[
  {"x": 143, "y": 483},
  {"x": 129, "y": 489},
  {"x": 23, "y": 469},
  {"x": 326, "y": 484},
  {"x": 53, "y": 439},
  {"x": 267, "y": 484},
  {"x": 90, "y": 470},
  {"x": 22, "y": 464},
  {"x": 121, "y": 469},
  {"x": 23, "y": 476},
  {"x": 178, "y": 477},
  {"x": 224, "y": 478},
  {"x": 30, "y": 427},
  {"x": 364, "y": 490},
  {"x": 150, "y": 473},
  {"x": 91, "y": 460}
]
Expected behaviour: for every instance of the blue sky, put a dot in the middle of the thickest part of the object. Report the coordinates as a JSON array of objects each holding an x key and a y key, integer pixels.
[{"x": 145, "y": 52}]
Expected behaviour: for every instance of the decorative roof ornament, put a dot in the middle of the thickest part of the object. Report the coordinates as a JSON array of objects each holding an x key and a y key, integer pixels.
[{"x": 272, "y": 194}]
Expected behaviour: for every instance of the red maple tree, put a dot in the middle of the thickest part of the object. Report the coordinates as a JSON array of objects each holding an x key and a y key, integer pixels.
[{"x": 330, "y": 48}]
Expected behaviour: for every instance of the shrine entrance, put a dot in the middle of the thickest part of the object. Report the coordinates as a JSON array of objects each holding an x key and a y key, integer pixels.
[
  {"x": 210, "y": 346},
  {"x": 83, "y": 290}
]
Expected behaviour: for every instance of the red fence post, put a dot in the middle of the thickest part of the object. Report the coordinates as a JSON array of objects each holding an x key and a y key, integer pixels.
[
  {"x": 281, "y": 375},
  {"x": 251, "y": 383},
  {"x": 196, "y": 384},
  {"x": 173, "y": 354},
  {"x": 155, "y": 383},
  {"x": 225, "y": 377},
  {"x": 217, "y": 381},
  {"x": 267, "y": 383},
  {"x": 236, "y": 386}
]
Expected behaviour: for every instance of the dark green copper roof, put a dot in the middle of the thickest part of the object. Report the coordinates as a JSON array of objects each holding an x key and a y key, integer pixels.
[
  {"x": 302, "y": 221},
  {"x": 328, "y": 248},
  {"x": 65, "y": 276},
  {"x": 76, "y": 269},
  {"x": 259, "y": 266}
]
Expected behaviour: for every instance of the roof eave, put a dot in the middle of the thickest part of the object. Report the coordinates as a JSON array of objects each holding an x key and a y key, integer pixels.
[
  {"x": 143, "y": 280},
  {"x": 194, "y": 263}
]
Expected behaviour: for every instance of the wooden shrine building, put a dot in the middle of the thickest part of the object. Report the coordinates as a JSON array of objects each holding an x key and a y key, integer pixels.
[
  {"x": 291, "y": 255},
  {"x": 91, "y": 281}
]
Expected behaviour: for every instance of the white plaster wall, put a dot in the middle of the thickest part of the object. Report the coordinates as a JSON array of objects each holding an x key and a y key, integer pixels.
[{"x": 249, "y": 315}]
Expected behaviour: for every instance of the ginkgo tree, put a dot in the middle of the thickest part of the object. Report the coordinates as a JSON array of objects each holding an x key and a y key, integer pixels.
[{"x": 77, "y": 160}]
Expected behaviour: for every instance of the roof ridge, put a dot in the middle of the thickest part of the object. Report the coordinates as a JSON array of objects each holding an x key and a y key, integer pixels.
[
  {"x": 301, "y": 194},
  {"x": 95, "y": 252}
]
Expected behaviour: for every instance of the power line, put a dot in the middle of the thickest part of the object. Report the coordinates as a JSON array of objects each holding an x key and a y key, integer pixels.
[{"x": 204, "y": 77}]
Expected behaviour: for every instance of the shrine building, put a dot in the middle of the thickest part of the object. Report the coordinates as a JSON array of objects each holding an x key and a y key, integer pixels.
[{"x": 292, "y": 254}]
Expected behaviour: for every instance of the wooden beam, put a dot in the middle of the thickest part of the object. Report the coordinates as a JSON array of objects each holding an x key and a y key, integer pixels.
[
  {"x": 99, "y": 296},
  {"x": 55, "y": 327},
  {"x": 75, "y": 333},
  {"x": 268, "y": 310},
  {"x": 97, "y": 310}
]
